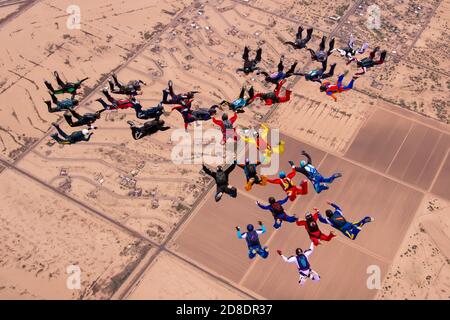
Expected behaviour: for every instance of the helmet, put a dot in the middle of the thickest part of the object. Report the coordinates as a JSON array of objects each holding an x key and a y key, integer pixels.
[
  {"x": 298, "y": 251},
  {"x": 85, "y": 132},
  {"x": 329, "y": 213},
  {"x": 271, "y": 200},
  {"x": 212, "y": 110},
  {"x": 250, "y": 227},
  {"x": 302, "y": 163},
  {"x": 225, "y": 117},
  {"x": 282, "y": 174},
  {"x": 323, "y": 86},
  {"x": 308, "y": 216},
  {"x": 247, "y": 161},
  {"x": 75, "y": 102},
  {"x": 219, "y": 168}
]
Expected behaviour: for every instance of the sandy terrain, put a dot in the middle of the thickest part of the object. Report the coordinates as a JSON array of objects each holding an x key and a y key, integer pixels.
[
  {"x": 158, "y": 284},
  {"x": 44, "y": 235},
  {"x": 421, "y": 269},
  {"x": 140, "y": 215}
]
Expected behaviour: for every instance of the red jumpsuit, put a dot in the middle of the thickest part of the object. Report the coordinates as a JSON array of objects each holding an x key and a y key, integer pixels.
[
  {"x": 123, "y": 104},
  {"x": 227, "y": 128},
  {"x": 289, "y": 187},
  {"x": 273, "y": 97},
  {"x": 313, "y": 230}
]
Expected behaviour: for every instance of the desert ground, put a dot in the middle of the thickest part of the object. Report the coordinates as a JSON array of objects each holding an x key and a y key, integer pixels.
[{"x": 141, "y": 227}]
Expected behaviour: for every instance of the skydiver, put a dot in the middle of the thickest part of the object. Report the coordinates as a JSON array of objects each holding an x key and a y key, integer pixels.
[
  {"x": 307, "y": 169},
  {"x": 303, "y": 265},
  {"x": 250, "y": 65},
  {"x": 301, "y": 43},
  {"x": 368, "y": 62},
  {"x": 132, "y": 88},
  {"x": 336, "y": 220},
  {"x": 82, "y": 120},
  {"x": 62, "y": 105},
  {"x": 317, "y": 75},
  {"x": 241, "y": 102},
  {"x": 262, "y": 144},
  {"x": 277, "y": 210},
  {"x": 350, "y": 52},
  {"x": 64, "y": 87},
  {"x": 276, "y": 77},
  {"x": 272, "y": 97},
  {"x": 147, "y": 129},
  {"x": 322, "y": 55},
  {"x": 200, "y": 114},
  {"x": 221, "y": 178},
  {"x": 252, "y": 239},
  {"x": 151, "y": 113},
  {"x": 176, "y": 98},
  {"x": 227, "y": 127},
  {"x": 331, "y": 89},
  {"x": 311, "y": 226},
  {"x": 116, "y": 103},
  {"x": 74, "y": 137},
  {"x": 251, "y": 174},
  {"x": 287, "y": 184}
]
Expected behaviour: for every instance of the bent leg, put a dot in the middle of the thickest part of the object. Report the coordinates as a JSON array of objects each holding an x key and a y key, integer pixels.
[
  {"x": 325, "y": 237},
  {"x": 314, "y": 276},
  {"x": 263, "y": 253},
  {"x": 277, "y": 223},
  {"x": 303, "y": 188},
  {"x": 104, "y": 104},
  {"x": 68, "y": 118},
  {"x": 286, "y": 98},
  {"x": 349, "y": 86},
  {"x": 58, "y": 139},
  {"x": 62, "y": 133},
  {"x": 363, "y": 222},
  {"x": 59, "y": 81}
]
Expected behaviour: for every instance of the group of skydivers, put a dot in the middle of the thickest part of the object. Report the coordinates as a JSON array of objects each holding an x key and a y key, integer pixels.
[{"x": 182, "y": 103}]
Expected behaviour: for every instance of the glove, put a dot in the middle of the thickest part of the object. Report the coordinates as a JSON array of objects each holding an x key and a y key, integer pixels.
[
  {"x": 238, "y": 229},
  {"x": 260, "y": 223},
  {"x": 279, "y": 252}
]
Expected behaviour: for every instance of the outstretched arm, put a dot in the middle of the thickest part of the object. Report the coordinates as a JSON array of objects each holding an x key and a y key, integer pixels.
[
  {"x": 264, "y": 207},
  {"x": 217, "y": 122},
  {"x": 332, "y": 95},
  {"x": 301, "y": 223},
  {"x": 289, "y": 260},
  {"x": 207, "y": 171},
  {"x": 241, "y": 235},
  {"x": 284, "y": 200},
  {"x": 308, "y": 252},
  {"x": 233, "y": 118},
  {"x": 292, "y": 173},
  {"x": 323, "y": 220},
  {"x": 308, "y": 157},
  {"x": 334, "y": 206},
  {"x": 274, "y": 181},
  {"x": 230, "y": 168},
  {"x": 262, "y": 230}
]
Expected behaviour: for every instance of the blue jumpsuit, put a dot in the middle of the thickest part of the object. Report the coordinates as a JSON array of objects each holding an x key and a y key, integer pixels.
[
  {"x": 254, "y": 246},
  {"x": 279, "y": 217},
  {"x": 337, "y": 221}
]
